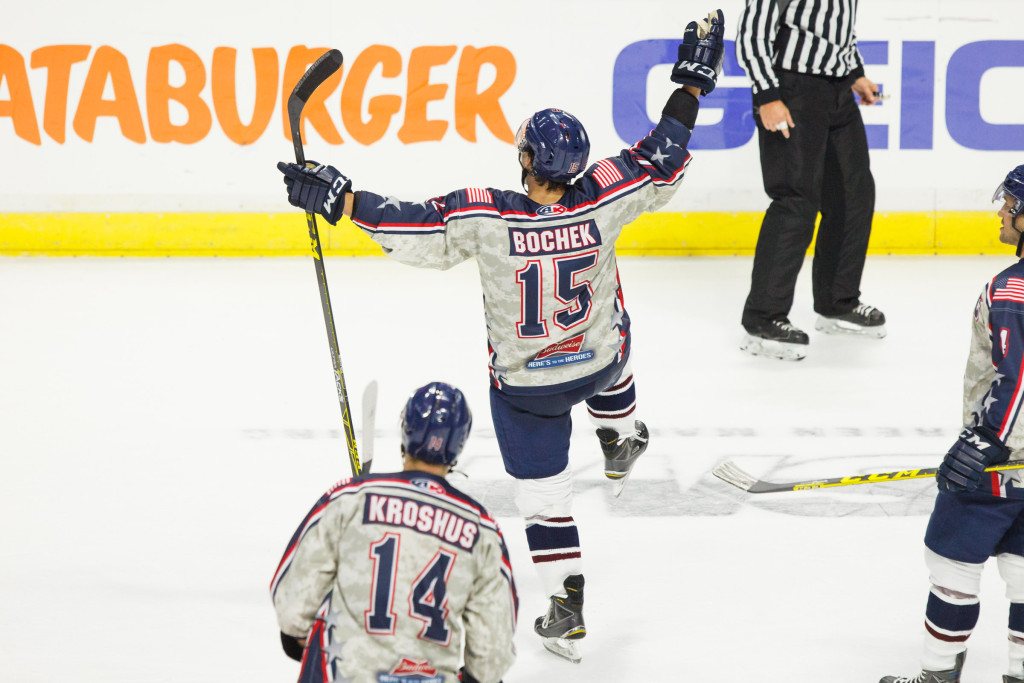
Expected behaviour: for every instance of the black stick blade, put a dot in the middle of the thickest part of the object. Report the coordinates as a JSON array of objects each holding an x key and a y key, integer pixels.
[{"x": 315, "y": 75}]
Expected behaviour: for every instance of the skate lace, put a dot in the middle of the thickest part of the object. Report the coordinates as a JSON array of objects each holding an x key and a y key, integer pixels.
[
  {"x": 919, "y": 678},
  {"x": 925, "y": 677},
  {"x": 865, "y": 310},
  {"x": 784, "y": 325}
]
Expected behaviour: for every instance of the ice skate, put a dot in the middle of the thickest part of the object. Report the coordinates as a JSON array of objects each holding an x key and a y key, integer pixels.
[
  {"x": 620, "y": 453},
  {"x": 777, "y": 339},
  {"x": 864, "y": 320},
  {"x": 563, "y": 624},
  {"x": 1012, "y": 679},
  {"x": 947, "y": 676}
]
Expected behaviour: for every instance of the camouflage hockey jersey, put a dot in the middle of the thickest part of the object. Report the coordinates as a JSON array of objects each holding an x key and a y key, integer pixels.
[
  {"x": 994, "y": 378},
  {"x": 389, "y": 576},
  {"x": 553, "y": 304}
]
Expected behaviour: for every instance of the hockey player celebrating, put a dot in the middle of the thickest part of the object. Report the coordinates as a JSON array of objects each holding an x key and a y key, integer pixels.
[
  {"x": 389, "y": 575},
  {"x": 980, "y": 514},
  {"x": 558, "y": 331}
]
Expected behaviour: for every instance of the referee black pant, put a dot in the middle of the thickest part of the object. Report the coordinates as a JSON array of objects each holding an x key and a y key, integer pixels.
[{"x": 822, "y": 166}]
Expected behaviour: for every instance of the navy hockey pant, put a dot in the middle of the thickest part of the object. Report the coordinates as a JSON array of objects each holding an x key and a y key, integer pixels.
[
  {"x": 533, "y": 431},
  {"x": 973, "y": 526}
]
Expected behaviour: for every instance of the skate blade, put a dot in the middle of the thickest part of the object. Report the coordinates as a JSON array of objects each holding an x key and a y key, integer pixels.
[
  {"x": 567, "y": 649},
  {"x": 756, "y": 346},
  {"x": 830, "y": 326},
  {"x": 618, "y": 480}
]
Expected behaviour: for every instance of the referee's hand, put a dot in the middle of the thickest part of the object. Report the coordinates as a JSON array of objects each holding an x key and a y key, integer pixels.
[
  {"x": 775, "y": 118},
  {"x": 866, "y": 90}
]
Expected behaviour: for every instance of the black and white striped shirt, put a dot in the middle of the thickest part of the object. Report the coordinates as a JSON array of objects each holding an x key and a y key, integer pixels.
[{"x": 809, "y": 36}]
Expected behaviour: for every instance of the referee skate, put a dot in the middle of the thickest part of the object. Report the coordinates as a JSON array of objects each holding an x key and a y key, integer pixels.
[
  {"x": 863, "y": 320},
  {"x": 777, "y": 339}
]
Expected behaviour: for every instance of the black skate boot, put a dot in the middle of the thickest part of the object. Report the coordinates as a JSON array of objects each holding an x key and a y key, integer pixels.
[
  {"x": 563, "y": 624},
  {"x": 947, "y": 676},
  {"x": 1012, "y": 679},
  {"x": 620, "y": 453},
  {"x": 777, "y": 339},
  {"x": 863, "y": 320}
]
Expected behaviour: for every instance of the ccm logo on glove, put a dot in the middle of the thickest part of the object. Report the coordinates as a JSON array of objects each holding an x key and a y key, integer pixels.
[
  {"x": 334, "y": 193},
  {"x": 316, "y": 188}
]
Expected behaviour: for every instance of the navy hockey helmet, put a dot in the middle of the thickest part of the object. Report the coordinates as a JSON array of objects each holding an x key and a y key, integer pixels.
[
  {"x": 559, "y": 144},
  {"x": 1012, "y": 186},
  {"x": 435, "y": 424}
]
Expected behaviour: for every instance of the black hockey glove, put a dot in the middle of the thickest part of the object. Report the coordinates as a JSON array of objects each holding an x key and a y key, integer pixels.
[
  {"x": 965, "y": 463},
  {"x": 701, "y": 52},
  {"x": 291, "y": 646},
  {"x": 316, "y": 188}
]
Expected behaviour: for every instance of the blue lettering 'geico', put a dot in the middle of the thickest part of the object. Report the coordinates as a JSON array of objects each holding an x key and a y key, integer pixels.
[
  {"x": 423, "y": 517},
  {"x": 629, "y": 96},
  {"x": 554, "y": 240},
  {"x": 909, "y": 121}
]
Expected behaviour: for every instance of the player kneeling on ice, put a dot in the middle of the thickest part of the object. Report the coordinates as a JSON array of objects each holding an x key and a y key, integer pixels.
[
  {"x": 395, "y": 577},
  {"x": 980, "y": 514},
  {"x": 558, "y": 332}
]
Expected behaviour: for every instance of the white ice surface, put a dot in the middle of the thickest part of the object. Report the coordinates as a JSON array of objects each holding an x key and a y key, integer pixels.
[{"x": 166, "y": 423}]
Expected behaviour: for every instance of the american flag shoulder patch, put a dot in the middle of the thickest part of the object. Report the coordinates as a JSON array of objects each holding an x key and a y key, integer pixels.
[
  {"x": 1012, "y": 290},
  {"x": 478, "y": 195},
  {"x": 607, "y": 173}
]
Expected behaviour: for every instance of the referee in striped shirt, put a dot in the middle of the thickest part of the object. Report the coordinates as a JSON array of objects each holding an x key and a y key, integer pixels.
[{"x": 802, "y": 58}]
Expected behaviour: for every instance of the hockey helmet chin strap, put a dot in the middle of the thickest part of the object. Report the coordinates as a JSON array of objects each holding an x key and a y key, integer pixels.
[
  {"x": 1015, "y": 211},
  {"x": 522, "y": 179}
]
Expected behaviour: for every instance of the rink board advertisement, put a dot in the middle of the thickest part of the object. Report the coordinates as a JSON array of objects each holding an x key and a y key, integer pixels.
[{"x": 164, "y": 140}]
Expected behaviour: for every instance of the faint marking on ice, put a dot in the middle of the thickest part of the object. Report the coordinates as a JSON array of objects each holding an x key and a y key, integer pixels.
[{"x": 710, "y": 497}]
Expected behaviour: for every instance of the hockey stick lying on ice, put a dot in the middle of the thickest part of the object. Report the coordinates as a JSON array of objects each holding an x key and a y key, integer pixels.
[
  {"x": 731, "y": 474},
  {"x": 322, "y": 69}
]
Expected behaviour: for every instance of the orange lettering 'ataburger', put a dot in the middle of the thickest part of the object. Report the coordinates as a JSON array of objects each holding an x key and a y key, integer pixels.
[
  {"x": 210, "y": 94},
  {"x": 57, "y": 59},
  {"x": 382, "y": 107},
  {"x": 226, "y": 106}
]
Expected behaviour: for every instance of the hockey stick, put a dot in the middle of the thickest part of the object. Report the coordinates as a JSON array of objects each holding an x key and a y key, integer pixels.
[
  {"x": 731, "y": 474},
  {"x": 320, "y": 71},
  {"x": 369, "y": 423}
]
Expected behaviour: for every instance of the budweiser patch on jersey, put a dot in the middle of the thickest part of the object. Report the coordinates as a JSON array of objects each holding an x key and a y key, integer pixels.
[
  {"x": 561, "y": 353},
  {"x": 411, "y": 671}
]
